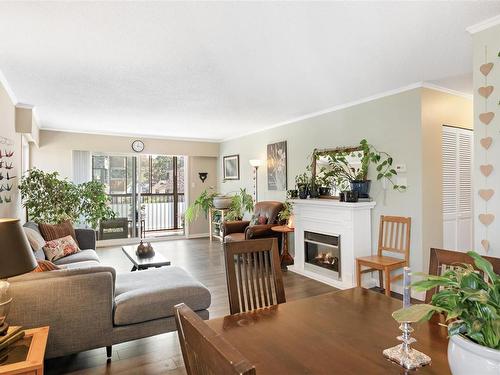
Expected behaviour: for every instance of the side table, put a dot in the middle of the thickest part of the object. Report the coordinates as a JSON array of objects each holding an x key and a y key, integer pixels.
[
  {"x": 26, "y": 356},
  {"x": 286, "y": 259}
]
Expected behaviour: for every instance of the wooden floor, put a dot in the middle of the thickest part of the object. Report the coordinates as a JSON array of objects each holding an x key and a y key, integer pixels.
[{"x": 161, "y": 354}]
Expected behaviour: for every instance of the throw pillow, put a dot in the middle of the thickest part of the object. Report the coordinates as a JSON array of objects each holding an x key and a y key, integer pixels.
[
  {"x": 59, "y": 248},
  {"x": 262, "y": 220},
  {"x": 53, "y": 232},
  {"x": 45, "y": 265},
  {"x": 258, "y": 220},
  {"x": 34, "y": 238}
]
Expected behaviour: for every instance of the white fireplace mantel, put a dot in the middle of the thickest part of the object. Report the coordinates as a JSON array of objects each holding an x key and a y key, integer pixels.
[{"x": 352, "y": 221}]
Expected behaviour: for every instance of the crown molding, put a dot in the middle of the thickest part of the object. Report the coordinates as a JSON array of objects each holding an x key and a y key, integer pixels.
[
  {"x": 483, "y": 25},
  {"x": 381, "y": 95},
  {"x": 8, "y": 89}
]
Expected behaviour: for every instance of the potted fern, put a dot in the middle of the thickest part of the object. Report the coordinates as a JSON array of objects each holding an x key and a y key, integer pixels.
[{"x": 471, "y": 304}]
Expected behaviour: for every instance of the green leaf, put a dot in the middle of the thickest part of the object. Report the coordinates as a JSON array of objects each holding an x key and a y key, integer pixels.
[
  {"x": 415, "y": 313},
  {"x": 483, "y": 265}
]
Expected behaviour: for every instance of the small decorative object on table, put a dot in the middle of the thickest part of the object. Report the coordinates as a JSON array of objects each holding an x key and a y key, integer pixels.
[
  {"x": 145, "y": 251},
  {"x": 403, "y": 354}
]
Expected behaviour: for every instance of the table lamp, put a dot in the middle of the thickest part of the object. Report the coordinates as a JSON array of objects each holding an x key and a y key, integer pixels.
[{"x": 16, "y": 258}]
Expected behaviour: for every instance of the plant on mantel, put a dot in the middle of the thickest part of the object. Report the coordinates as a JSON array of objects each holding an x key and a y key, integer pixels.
[{"x": 368, "y": 154}]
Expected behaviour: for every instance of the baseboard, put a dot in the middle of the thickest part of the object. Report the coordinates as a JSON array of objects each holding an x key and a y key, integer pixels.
[{"x": 197, "y": 235}]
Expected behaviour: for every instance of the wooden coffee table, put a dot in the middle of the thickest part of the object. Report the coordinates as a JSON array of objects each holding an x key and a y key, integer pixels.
[{"x": 156, "y": 261}]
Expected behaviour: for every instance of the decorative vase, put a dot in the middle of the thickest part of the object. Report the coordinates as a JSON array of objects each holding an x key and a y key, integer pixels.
[
  {"x": 291, "y": 222},
  {"x": 362, "y": 187},
  {"x": 222, "y": 202},
  {"x": 303, "y": 191},
  {"x": 466, "y": 357}
]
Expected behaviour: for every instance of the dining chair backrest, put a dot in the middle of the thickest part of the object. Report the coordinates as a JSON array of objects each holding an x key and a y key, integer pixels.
[
  {"x": 442, "y": 260},
  {"x": 253, "y": 274},
  {"x": 206, "y": 352},
  {"x": 394, "y": 235}
]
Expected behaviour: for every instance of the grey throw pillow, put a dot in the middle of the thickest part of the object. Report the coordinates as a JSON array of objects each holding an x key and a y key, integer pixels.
[{"x": 35, "y": 239}]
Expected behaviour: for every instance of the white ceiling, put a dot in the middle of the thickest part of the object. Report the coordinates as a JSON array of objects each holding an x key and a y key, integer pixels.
[{"x": 211, "y": 70}]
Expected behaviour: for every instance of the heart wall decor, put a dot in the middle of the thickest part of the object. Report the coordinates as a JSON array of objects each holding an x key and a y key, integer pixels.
[
  {"x": 485, "y": 244},
  {"x": 486, "y": 68},
  {"x": 485, "y": 91},
  {"x": 486, "y": 117},
  {"x": 486, "y": 194},
  {"x": 486, "y": 142},
  {"x": 486, "y": 169},
  {"x": 486, "y": 219}
]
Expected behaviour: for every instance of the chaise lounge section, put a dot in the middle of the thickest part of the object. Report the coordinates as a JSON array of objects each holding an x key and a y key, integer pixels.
[{"x": 87, "y": 305}]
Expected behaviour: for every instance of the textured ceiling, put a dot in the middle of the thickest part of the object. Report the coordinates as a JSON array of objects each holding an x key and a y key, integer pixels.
[{"x": 213, "y": 70}]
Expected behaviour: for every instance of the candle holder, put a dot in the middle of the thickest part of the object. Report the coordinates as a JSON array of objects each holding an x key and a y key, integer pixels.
[{"x": 403, "y": 354}]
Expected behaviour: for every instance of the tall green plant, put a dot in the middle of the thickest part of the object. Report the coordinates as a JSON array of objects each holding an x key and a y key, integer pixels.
[
  {"x": 241, "y": 202},
  {"x": 471, "y": 303},
  {"x": 50, "y": 199},
  {"x": 202, "y": 204}
]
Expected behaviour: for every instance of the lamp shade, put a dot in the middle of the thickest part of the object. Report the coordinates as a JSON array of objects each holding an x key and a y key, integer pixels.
[
  {"x": 16, "y": 256},
  {"x": 255, "y": 162}
]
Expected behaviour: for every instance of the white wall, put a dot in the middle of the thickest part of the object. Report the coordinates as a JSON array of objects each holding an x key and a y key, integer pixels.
[
  {"x": 391, "y": 124},
  {"x": 486, "y": 48}
]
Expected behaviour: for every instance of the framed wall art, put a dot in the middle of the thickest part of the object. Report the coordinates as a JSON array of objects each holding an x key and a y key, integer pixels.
[{"x": 231, "y": 167}]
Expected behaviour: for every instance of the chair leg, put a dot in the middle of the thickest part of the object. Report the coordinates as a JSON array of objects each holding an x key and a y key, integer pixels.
[
  {"x": 109, "y": 351},
  {"x": 358, "y": 273},
  {"x": 387, "y": 272},
  {"x": 380, "y": 279}
]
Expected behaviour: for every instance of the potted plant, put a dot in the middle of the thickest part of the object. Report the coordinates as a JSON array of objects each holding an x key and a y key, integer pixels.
[
  {"x": 286, "y": 214},
  {"x": 472, "y": 308},
  {"x": 202, "y": 204},
  {"x": 357, "y": 177},
  {"x": 241, "y": 202},
  {"x": 325, "y": 182},
  {"x": 302, "y": 181}
]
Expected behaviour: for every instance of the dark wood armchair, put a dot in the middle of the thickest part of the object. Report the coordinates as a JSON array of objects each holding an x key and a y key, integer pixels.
[
  {"x": 441, "y": 259},
  {"x": 244, "y": 230}
]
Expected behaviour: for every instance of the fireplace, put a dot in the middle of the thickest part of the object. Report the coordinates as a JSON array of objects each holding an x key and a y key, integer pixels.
[{"x": 322, "y": 253}]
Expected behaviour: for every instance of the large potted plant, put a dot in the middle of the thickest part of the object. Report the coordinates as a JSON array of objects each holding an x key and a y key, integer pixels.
[
  {"x": 201, "y": 204},
  {"x": 358, "y": 177},
  {"x": 471, "y": 304},
  {"x": 286, "y": 214},
  {"x": 241, "y": 202}
]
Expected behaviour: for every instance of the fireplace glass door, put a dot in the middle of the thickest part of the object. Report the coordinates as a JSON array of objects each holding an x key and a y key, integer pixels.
[{"x": 323, "y": 251}]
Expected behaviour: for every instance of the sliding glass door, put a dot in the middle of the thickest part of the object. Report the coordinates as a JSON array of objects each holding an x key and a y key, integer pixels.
[{"x": 146, "y": 193}]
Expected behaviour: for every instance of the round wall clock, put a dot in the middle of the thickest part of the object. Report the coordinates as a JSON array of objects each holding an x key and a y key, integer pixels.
[{"x": 138, "y": 146}]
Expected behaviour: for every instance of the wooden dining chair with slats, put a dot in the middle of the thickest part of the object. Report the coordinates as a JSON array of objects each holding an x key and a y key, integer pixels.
[
  {"x": 205, "y": 351},
  {"x": 253, "y": 274},
  {"x": 442, "y": 260},
  {"x": 393, "y": 237}
]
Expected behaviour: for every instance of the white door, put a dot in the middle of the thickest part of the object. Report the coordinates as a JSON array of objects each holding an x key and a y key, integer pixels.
[{"x": 457, "y": 188}]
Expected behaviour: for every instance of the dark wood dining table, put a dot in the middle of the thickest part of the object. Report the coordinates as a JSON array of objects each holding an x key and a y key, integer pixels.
[{"x": 341, "y": 332}]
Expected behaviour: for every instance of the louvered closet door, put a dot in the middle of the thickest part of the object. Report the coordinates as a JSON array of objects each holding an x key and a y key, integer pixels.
[{"x": 457, "y": 188}]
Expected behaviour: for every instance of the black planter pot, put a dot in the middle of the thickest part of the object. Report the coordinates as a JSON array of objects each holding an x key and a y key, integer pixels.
[
  {"x": 303, "y": 191},
  {"x": 362, "y": 187},
  {"x": 325, "y": 191},
  {"x": 292, "y": 194},
  {"x": 314, "y": 193},
  {"x": 351, "y": 196}
]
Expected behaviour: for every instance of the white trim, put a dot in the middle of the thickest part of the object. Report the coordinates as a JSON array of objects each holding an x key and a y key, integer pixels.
[
  {"x": 132, "y": 135},
  {"x": 7, "y": 88},
  {"x": 483, "y": 25},
  {"x": 197, "y": 235},
  {"x": 381, "y": 95},
  {"x": 135, "y": 240},
  {"x": 446, "y": 90}
]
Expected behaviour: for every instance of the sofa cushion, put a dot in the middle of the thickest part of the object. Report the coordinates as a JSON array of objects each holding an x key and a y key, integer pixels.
[
  {"x": 34, "y": 238},
  {"x": 60, "y": 248},
  {"x": 53, "y": 232},
  {"x": 45, "y": 266},
  {"x": 152, "y": 294},
  {"x": 233, "y": 237},
  {"x": 81, "y": 256}
]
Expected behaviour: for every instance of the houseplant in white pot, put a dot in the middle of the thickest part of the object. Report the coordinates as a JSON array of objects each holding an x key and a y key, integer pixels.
[{"x": 471, "y": 304}]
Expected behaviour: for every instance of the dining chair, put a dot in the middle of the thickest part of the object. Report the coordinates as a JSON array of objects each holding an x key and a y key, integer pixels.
[
  {"x": 393, "y": 237},
  {"x": 205, "y": 351},
  {"x": 442, "y": 260},
  {"x": 253, "y": 274}
]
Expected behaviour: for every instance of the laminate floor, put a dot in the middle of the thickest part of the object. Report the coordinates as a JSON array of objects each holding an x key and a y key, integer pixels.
[{"x": 161, "y": 354}]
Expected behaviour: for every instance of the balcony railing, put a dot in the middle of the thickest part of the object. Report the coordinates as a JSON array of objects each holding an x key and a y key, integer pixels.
[{"x": 156, "y": 210}]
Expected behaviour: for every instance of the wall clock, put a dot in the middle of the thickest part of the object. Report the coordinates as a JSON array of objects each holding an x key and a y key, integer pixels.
[{"x": 138, "y": 146}]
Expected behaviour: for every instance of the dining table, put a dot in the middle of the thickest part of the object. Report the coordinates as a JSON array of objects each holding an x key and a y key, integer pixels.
[{"x": 341, "y": 332}]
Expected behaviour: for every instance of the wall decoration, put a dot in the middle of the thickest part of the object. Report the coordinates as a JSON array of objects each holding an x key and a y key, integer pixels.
[
  {"x": 7, "y": 170},
  {"x": 486, "y": 117},
  {"x": 231, "y": 167},
  {"x": 485, "y": 91},
  {"x": 486, "y": 142},
  {"x": 276, "y": 166}
]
